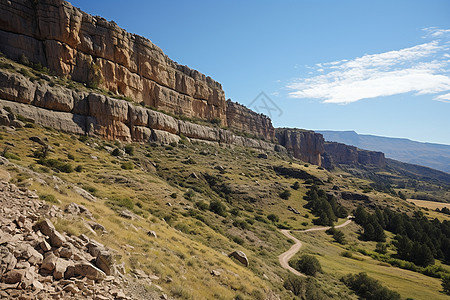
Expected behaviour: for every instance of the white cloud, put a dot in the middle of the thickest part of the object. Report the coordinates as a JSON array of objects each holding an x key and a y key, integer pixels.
[
  {"x": 436, "y": 32},
  {"x": 422, "y": 69},
  {"x": 443, "y": 98}
]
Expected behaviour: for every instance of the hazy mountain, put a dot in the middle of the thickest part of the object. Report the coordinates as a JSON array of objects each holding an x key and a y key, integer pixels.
[{"x": 436, "y": 156}]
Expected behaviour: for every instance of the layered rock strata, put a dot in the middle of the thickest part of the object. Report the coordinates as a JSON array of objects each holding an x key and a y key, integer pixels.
[
  {"x": 113, "y": 119},
  {"x": 245, "y": 120},
  {"x": 94, "y": 51},
  {"x": 302, "y": 144},
  {"x": 337, "y": 153}
]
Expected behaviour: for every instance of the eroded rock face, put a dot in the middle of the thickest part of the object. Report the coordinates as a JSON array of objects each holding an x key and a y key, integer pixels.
[
  {"x": 245, "y": 120},
  {"x": 87, "y": 48},
  {"x": 337, "y": 153},
  {"x": 303, "y": 144}
]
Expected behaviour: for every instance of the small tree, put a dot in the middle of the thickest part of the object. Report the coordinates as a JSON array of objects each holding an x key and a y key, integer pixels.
[
  {"x": 285, "y": 194},
  {"x": 308, "y": 265},
  {"x": 218, "y": 207},
  {"x": 446, "y": 284},
  {"x": 273, "y": 217}
]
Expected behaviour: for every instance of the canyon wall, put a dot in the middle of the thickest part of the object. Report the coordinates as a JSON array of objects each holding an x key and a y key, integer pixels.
[
  {"x": 337, "y": 153},
  {"x": 84, "y": 112},
  {"x": 302, "y": 144},
  {"x": 247, "y": 121},
  {"x": 92, "y": 50}
]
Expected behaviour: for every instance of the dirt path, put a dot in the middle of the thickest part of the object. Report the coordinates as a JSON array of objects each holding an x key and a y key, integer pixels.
[{"x": 286, "y": 256}]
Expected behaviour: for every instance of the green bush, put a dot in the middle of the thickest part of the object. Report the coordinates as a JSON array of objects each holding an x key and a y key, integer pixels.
[
  {"x": 115, "y": 152},
  {"x": 70, "y": 156},
  {"x": 173, "y": 195},
  {"x": 446, "y": 284},
  {"x": 218, "y": 207},
  {"x": 368, "y": 288},
  {"x": 56, "y": 164},
  {"x": 48, "y": 198},
  {"x": 308, "y": 265},
  {"x": 273, "y": 217},
  {"x": 129, "y": 149},
  {"x": 127, "y": 165},
  {"x": 189, "y": 195},
  {"x": 285, "y": 194},
  {"x": 79, "y": 168},
  {"x": 125, "y": 202},
  {"x": 202, "y": 205},
  {"x": 296, "y": 185}
]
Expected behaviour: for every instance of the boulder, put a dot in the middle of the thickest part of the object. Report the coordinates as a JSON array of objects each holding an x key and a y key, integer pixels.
[
  {"x": 86, "y": 269},
  {"x": 14, "y": 276},
  {"x": 49, "y": 262},
  {"x": 60, "y": 268},
  {"x": 16, "y": 87},
  {"x": 240, "y": 256},
  {"x": 164, "y": 137},
  {"x": 105, "y": 262}
]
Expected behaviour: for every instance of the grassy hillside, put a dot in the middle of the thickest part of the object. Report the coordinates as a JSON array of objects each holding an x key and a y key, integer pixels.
[{"x": 203, "y": 202}]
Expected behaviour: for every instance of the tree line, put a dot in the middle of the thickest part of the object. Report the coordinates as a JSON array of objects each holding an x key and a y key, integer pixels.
[{"x": 418, "y": 239}]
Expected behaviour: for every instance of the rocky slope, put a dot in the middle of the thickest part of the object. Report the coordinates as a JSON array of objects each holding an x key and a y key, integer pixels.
[{"x": 38, "y": 262}]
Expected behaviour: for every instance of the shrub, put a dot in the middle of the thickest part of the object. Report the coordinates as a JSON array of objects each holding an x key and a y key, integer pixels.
[
  {"x": 129, "y": 149},
  {"x": 202, "y": 205},
  {"x": 56, "y": 164},
  {"x": 368, "y": 288},
  {"x": 127, "y": 165},
  {"x": 274, "y": 218},
  {"x": 308, "y": 265},
  {"x": 446, "y": 284},
  {"x": 189, "y": 195},
  {"x": 173, "y": 195},
  {"x": 285, "y": 194},
  {"x": 79, "y": 168},
  {"x": 218, "y": 207},
  {"x": 115, "y": 152},
  {"x": 125, "y": 202},
  {"x": 70, "y": 156},
  {"x": 381, "y": 248},
  {"x": 242, "y": 224},
  {"x": 235, "y": 211},
  {"x": 306, "y": 288},
  {"x": 49, "y": 198},
  {"x": 347, "y": 254},
  {"x": 296, "y": 185}
]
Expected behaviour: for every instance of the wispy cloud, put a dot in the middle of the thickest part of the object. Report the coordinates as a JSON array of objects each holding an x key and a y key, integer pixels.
[
  {"x": 422, "y": 69},
  {"x": 443, "y": 98}
]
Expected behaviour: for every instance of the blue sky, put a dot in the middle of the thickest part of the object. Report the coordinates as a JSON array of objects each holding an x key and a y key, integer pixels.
[{"x": 376, "y": 67}]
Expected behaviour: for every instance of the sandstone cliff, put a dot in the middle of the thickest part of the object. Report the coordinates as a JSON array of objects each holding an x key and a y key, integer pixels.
[
  {"x": 83, "y": 112},
  {"x": 337, "y": 153},
  {"x": 245, "y": 120},
  {"x": 86, "y": 48},
  {"x": 303, "y": 144}
]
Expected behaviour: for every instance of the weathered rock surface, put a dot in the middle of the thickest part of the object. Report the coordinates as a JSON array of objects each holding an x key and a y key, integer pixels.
[
  {"x": 303, "y": 144},
  {"x": 245, "y": 120},
  {"x": 71, "y": 42},
  {"x": 337, "y": 153}
]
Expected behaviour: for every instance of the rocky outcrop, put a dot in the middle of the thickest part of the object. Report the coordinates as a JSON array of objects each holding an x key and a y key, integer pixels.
[
  {"x": 302, "y": 144},
  {"x": 337, "y": 153},
  {"x": 95, "y": 114},
  {"x": 245, "y": 120},
  {"x": 94, "y": 51}
]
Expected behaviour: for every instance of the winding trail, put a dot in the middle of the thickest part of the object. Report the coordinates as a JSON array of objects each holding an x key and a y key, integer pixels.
[{"x": 286, "y": 256}]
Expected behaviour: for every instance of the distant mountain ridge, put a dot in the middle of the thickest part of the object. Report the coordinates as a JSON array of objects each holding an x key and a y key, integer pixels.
[{"x": 436, "y": 156}]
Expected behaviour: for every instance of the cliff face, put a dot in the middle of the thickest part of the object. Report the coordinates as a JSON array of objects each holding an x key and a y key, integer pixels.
[
  {"x": 86, "y": 48},
  {"x": 303, "y": 144},
  {"x": 337, "y": 153},
  {"x": 245, "y": 120},
  {"x": 94, "y": 114}
]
